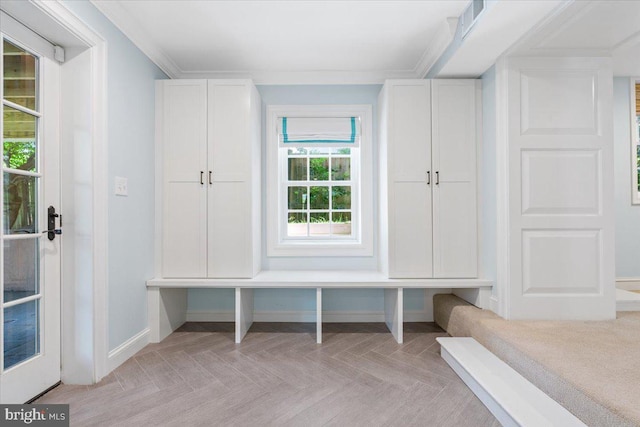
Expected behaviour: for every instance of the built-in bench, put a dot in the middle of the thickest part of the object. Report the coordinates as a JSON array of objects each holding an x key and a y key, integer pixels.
[{"x": 167, "y": 298}]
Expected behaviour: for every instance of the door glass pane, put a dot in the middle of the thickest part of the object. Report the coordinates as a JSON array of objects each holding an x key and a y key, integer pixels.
[
  {"x": 20, "y": 209},
  {"x": 21, "y": 337},
  {"x": 21, "y": 268},
  {"x": 20, "y": 76},
  {"x": 19, "y": 140}
]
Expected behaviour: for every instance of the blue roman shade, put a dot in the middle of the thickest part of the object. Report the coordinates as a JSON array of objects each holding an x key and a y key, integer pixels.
[{"x": 319, "y": 131}]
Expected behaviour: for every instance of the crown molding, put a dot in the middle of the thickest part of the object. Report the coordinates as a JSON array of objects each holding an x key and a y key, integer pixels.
[
  {"x": 304, "y": 77},
  {"x": 114, "y": 11},
  {"x": 443, "y": 37}
]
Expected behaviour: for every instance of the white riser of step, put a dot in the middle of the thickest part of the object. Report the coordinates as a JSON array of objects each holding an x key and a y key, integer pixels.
[{"x": 512, "y": 399}]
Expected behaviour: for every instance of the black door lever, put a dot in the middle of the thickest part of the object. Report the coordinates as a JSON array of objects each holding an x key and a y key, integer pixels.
[{"x": 51, "y": 223}]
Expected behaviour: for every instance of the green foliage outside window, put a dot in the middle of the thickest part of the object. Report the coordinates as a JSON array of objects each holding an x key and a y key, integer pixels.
[{"x": 19, "y": 154}]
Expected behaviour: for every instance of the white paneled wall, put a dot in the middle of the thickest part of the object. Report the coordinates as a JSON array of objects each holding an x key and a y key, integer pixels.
[{"x": 555, "y": 143}]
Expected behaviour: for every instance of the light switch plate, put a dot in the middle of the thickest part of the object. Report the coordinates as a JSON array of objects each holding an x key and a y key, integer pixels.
[{"x": 120, "y": 186}]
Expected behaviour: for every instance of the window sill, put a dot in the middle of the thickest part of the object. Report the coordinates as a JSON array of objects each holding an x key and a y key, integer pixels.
[{"x": 317, "y": 249}]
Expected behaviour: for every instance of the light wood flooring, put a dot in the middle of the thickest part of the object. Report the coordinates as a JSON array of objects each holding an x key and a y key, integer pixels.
[{"x": 279, "y": 376}]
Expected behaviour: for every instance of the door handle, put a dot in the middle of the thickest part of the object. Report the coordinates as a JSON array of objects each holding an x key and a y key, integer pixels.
[
  {"x": 428, "y": 177},
  {"x": 52, "y": 231},
  {"x": 437, "y": 177},
  {"x": 201, "y": 177},
  {"x": 210, "y": 179}
]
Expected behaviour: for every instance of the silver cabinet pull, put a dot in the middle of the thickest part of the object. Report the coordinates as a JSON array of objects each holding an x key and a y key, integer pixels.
[
  {"x": 437, "y": 177},
  {"x": 428, "y": 177},
  {"x": 210, "y": 178},
  {"x": 201, "y": 177}
]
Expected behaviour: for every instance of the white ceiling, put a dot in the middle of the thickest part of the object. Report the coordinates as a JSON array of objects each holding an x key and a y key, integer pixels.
[
  {"x": 357, "y": 40},
  {"x": 363, "y": 41},
  {"x": 590, "y": 28}
]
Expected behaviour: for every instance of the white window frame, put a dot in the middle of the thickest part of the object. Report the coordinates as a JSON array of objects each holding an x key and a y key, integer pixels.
[
  {"x": 278, "y": 245},
  {"x": 635, "y": 141}
]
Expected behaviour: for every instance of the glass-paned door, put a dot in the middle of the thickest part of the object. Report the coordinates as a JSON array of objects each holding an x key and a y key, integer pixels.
[{"x": 30, "y": 261}]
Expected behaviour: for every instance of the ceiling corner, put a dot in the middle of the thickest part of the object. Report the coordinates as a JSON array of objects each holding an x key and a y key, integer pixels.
[{"x": 114, "y": 11}]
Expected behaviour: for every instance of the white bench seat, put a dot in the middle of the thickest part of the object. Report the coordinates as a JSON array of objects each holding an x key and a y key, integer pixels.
[{"x": 167, "y": 298}]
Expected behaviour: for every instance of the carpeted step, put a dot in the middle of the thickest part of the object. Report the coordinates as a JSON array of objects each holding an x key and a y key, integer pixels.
[
  {"x": 456, "y": 316},
  {"x": 587, "y": 367}
]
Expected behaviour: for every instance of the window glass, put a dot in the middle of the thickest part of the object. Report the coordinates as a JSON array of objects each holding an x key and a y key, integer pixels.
[{"x": 319, "y": 188}]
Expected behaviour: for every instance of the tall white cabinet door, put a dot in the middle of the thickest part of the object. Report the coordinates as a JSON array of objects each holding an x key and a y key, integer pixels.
[
  {"x": 410, "y": 176},
  {"x": 230, "y": 162},
  {"x": 455, "y": 223},
  {"x": 183, "y": 144}
]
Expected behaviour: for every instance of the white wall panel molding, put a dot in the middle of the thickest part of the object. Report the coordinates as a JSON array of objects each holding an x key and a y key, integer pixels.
[
  {"x": 561, "y": 262},
  {"x": 556, "y": 101},
  {"x": 575, "y": 175}
]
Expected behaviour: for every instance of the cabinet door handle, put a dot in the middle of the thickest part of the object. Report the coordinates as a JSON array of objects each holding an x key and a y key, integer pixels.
[
  {"x": 437, "y": 177},
  {"x": 428, "y": 177},
  {"x": 201, "y": 177},
  {"x": 210, "y": 178}
]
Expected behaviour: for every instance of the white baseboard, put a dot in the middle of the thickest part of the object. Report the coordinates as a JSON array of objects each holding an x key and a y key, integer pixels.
[
  {"x": 308, "y": 316},
  {"x": 628, "y": 283},
  {"x": 127, "y": 349},
  {"x": 211, "y": 316},
  {"x": 627, "y": 301},
  {"x": 494, "y": 304}
]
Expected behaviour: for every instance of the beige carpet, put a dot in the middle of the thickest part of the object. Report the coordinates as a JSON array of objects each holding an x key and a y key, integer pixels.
[{"x": 588, "y": 367}]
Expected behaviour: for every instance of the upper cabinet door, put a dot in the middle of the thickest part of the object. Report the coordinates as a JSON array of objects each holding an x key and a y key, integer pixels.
[
  {"x": 229, "y": 142},
  {"x": 455, "y": 219},
  {"x": 184, "y": 124},
  {"x": 410, "y": 131},
  {"x": 182, "y": 143}
]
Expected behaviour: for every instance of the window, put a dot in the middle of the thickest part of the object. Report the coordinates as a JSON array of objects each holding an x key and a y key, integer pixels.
[
  {"x": 319, "y": 195},
  {"x": 635, "y": 140}
]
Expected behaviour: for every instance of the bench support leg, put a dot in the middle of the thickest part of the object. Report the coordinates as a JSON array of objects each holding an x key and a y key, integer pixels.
[
  {"x": 167, "y": 311},
  {"x": 393, "y": 316},
  {"x": 319, "y": 315},
  {"x": 244, "y": 312}
]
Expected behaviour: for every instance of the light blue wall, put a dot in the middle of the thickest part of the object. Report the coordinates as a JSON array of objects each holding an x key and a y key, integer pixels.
[
  {"x": 627, "y": 215},
  {"x": 488, "y": 195},
  {"x": 130, "y": 127},
  {"x": 304, "y": 299}
]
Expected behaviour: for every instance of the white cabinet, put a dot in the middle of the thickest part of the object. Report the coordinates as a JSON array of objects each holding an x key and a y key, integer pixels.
[
  {"x": 208, "y": 148},
  {"x": 428, "y": 184}
]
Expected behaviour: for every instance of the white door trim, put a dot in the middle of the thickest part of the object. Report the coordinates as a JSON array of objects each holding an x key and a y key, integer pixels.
[{"x": 61, "y": 14}]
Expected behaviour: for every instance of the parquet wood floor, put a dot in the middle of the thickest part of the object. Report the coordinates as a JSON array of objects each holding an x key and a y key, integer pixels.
[{"x": 279, "y": 376}]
